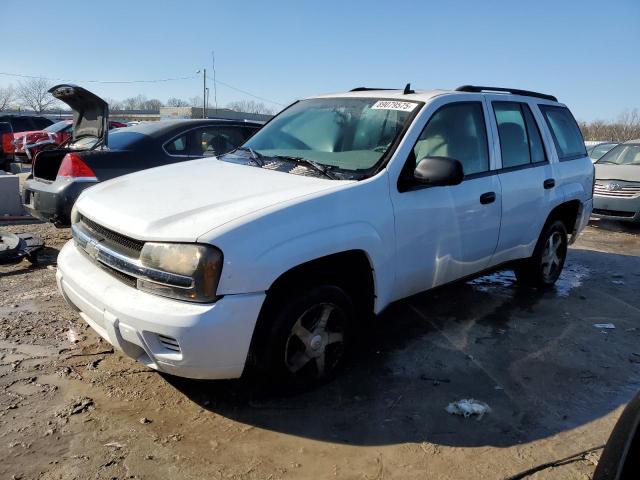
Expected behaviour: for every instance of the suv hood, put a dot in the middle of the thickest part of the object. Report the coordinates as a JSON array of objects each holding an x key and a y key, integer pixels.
[
  {"x": 182, "y": 201},
  {"x": 607, "y": 171},
  {"x": 90, "y": 112}
]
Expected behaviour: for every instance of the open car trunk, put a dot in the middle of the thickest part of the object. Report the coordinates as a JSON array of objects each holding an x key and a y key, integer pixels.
[
  {"x": 90, "y": 120},
  {"x": 90, "y": 112},
  {"x": 47, "y": 163}
]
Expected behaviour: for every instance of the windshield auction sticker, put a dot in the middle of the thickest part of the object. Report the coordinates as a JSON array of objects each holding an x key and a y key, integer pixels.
[{"x": 393, "y": 105}]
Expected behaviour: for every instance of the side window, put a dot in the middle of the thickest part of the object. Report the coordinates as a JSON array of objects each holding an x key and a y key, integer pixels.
[
  {"x": 42, "y": 123},
  {"x": 535, "y": 140},
  {"x": 456, "y": 130},
  {"x": 564, "y": 129},
  {"x": 520, "y": 141},
  {"x": 177, "y": 146},
  {"x": 211, "y": 141},
  {"x": 20, "y": 124}
]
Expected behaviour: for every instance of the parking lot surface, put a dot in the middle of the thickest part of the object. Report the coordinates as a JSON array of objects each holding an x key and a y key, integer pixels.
[{"x": 555, "y": 384}]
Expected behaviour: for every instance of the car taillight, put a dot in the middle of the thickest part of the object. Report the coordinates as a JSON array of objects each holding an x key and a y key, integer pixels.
[
  {"x": 7, "y": 143},
  {"x": 73, "y": 167}
]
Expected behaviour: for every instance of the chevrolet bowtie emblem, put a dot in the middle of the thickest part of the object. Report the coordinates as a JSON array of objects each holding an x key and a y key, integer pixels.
[{"x": 92, "y": 249}]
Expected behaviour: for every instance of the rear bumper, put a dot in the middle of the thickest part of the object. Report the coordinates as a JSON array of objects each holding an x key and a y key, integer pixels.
[
  {"x": 207, "y": 341},
  {"x": 622, "y": 209},
  {"x": 52, "y": 202},
  {"x": 583, "y": 219}
]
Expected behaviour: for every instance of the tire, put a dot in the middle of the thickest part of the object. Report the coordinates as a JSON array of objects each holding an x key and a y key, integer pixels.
[
  {"x": 544, "y": 267},
  {"x": 308, "y": 337}
]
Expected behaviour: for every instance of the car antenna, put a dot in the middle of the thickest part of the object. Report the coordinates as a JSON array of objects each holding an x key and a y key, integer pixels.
[{"x": 407, "y": 89}]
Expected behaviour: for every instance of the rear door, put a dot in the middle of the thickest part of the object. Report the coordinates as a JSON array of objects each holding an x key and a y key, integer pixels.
[
  {"x": 445, "y": 233},
  {"x": 525, "y": 174}
]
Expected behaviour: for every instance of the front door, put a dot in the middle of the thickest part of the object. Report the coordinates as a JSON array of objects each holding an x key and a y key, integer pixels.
[{"x": 445, "y": 233}]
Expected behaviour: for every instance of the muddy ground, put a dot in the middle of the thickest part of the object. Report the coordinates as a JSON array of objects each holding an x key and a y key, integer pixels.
[{"x": 555, "y": 385}]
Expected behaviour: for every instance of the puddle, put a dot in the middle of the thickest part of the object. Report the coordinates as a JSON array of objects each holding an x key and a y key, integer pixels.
[
  {"x": 28, "y": 349},
  {"x": 572, "y": 277}
]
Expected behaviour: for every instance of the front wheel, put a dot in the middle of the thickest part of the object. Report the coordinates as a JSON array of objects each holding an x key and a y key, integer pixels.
[
  {"x": 544, "y": 267},
  {"x": 309, "y": 336}
]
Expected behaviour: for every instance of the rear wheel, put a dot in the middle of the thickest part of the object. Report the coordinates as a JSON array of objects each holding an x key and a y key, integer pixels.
[
  {"x": 544, "y": 267},
  {"x": 309, "y": 337}
]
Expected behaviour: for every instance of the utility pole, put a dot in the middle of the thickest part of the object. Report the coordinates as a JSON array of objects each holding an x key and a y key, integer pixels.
[
  {"x": 204, "y": 93},
  {"x": 215, "y": 88}
]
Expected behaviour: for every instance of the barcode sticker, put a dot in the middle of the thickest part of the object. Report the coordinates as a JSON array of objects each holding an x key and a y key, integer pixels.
[{"x": 393, "y": 105}]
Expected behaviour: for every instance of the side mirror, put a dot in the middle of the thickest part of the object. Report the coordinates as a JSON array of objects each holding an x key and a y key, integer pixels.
[{"x": 438, "y": 171}]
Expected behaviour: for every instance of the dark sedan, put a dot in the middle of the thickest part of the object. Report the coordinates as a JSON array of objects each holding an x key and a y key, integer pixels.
[{"x": 94, "y": 154}]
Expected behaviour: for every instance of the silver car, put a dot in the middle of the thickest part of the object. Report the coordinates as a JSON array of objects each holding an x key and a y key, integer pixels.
[{"x": 617, "y": 189}]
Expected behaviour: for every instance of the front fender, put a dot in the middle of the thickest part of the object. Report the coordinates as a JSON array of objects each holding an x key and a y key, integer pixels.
[{"x": 258, "y": 252}]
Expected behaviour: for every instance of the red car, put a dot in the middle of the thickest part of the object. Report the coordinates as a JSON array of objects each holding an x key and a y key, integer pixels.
[{"x": 27, "y": 144}]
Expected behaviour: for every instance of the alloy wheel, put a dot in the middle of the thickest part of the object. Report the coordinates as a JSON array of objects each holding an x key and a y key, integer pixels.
[{"x": 315, "y": 344}]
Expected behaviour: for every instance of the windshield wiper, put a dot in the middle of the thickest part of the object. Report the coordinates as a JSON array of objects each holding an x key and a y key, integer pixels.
[
  {"x": 318, "y": 167},
  {"x": 256, "y": 157}
]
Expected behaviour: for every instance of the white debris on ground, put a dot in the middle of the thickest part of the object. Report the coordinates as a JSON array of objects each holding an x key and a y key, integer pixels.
[
  {"x": 606, "y": 326},
  {"x": 73, "y": 336},
  {"x": 467, "y": 407}
]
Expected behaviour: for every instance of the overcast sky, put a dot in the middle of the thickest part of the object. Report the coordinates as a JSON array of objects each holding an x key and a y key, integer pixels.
[{"x": 586, "y": 53}]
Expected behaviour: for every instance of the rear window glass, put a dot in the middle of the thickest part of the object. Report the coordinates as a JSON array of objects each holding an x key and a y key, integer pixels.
[
  {"x": 41, "y": 123},
  {"x": 123, "y": 140},
  {"x": 564, "y": 129},
  {"x": 21, "y": 125},
  {"x": 58, "y": 127}
]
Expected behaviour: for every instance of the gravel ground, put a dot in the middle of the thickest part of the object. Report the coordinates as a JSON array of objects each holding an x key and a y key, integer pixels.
[{"x": 72, "y": 408}]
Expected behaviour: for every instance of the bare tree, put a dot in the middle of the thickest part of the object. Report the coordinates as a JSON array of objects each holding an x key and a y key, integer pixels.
[
  {"x": 114, "y": 104},
  {"x": 153, "y": 104},
  {"x": 7, "y": 96},
  {"x": 196, "y": 102},
  {"x": 177, "y": 102},
  {"x": 34, "y": 94},
  {"x": 625, "y": 127},
  {"x": 250, "y": 106}
]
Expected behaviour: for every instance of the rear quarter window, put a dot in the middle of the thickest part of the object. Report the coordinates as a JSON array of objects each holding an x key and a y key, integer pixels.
[
  {"x": 565, "y": 132},
  {"x": 124, "y": 140}
]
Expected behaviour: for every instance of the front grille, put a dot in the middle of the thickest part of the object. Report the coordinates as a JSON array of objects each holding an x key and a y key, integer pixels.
[
  {"x": 129, "y": 245},
  {"x": 622, "y": 190},
  {"x": 613, "y": 213}
]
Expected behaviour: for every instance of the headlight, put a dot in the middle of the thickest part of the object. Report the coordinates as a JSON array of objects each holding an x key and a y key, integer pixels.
[{"x": 202, "y": 264}]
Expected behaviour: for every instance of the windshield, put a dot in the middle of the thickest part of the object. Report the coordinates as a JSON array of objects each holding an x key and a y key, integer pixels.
[
  {"x": 58, "y": 126},
  {"x": 349, "y": 134},
  {"x": 624, "y": 154}
]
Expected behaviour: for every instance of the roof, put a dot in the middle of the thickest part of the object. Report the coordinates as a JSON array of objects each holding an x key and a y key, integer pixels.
[
  {"x": 426, "y": 95},
  {"x": 162, "y": 127},
  {"x": 418, "y": 95},
  {"x": 633, "y": 141}
]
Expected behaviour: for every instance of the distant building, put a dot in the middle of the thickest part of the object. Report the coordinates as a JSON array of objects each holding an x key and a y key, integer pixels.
[{"x": 175, "y": 113}]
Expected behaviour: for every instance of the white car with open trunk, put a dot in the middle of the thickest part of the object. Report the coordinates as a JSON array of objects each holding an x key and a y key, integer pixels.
[{"x": 273, "y": 256}]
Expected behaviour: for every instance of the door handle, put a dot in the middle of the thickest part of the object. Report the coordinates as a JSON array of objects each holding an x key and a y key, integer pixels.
[
  {"x": 549, "y": 183},
  {"x": 488, "y": 197}
]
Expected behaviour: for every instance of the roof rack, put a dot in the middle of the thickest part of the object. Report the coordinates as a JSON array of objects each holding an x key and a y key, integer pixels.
[
  {"x": 406, "y": 90},
  {"x": 515, "y": 91},
  {"x": 366, "y": 89}
]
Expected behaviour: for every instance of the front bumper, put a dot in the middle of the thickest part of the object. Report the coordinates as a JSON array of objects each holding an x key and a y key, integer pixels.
[
  {"x": 207, "y": 341},
  {"x": 622, "y": 209},
  {"x": 52, "y": 202}
]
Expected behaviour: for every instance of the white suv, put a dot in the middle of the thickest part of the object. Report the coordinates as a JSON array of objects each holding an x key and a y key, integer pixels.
[{"x": 269, "y": 256}]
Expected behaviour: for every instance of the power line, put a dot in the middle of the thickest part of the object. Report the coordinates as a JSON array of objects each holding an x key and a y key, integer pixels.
[
  {"x": 247, "y": 93},
  {"x": 159, "y": 80}
]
